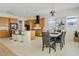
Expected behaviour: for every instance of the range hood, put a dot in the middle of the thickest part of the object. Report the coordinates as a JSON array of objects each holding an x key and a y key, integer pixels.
[
  {"x": 37, "y": 19},
  {"x": 37, "y": 26}
]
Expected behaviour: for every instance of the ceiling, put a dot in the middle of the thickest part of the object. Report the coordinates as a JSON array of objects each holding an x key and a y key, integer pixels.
[{"x": 32, "y": 9}]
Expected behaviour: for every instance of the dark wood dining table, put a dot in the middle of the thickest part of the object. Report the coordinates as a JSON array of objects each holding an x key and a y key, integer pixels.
[{"x": 54, "y": 36}]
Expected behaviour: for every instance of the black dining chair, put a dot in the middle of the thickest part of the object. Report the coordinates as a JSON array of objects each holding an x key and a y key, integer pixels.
[
  {"x": 47, "y": 42},
  {"x": 61, "y": 40}
]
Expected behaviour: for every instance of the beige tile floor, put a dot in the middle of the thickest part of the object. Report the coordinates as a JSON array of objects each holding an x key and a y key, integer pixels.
[
  {"x": 33, "y": 48},
  {"x": 4, "y": 51}
]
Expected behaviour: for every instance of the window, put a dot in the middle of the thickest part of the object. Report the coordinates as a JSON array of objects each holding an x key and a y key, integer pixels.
[
  {"x": 51, "y": 24},
  {"x": 72, "y": 21},
  {"x": 61, "y": 21}
]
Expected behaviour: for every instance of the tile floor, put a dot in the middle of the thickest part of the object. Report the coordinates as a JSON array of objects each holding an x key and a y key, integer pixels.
[{"x": 33, "y": 48}]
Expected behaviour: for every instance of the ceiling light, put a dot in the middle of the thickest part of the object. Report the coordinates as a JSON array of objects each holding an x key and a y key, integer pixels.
[{"x": 52, "y": 12}]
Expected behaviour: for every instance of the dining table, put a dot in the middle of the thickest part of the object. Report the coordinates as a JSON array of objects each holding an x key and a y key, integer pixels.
[{"x": 55, "y": 35}]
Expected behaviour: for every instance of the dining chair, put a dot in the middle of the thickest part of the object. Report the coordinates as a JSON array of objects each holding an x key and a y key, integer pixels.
[
  {"x": 61, "y": 40},
  {"x": 16, "y": 35},
  {"x": 46, "y": 42},
  {"x": 12, "y": 32}
]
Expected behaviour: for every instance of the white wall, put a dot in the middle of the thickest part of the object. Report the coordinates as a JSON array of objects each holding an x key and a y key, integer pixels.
[
  {"x": 65, "y": 13},
  {"x": 71, "y": 12}
]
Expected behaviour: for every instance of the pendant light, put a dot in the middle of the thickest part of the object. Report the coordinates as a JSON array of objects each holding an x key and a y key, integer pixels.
[{"x": 52, "y": 12}]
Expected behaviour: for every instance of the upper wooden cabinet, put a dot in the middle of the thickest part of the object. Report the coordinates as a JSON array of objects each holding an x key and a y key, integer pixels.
[
  {"x": 27, "y": 22},
  {"x": 4, "y": 26},
  {"x": 30, "y": 22},
  {"x": 4, "y": 21},
  {"x": 13, "y": 20},
  {"x": 42, "y": 22}
]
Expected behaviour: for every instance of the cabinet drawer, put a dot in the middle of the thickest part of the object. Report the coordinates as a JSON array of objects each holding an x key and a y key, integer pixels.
[{"x": 4, "y": 33}]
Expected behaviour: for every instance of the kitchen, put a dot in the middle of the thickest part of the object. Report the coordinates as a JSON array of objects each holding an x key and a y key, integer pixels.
[{"x": 28, "y": 26}]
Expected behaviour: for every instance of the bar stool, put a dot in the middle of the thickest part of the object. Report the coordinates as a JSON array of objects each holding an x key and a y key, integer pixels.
[
  {"x": 16, "y": 35},
  {"x": 22, "y": 34}
]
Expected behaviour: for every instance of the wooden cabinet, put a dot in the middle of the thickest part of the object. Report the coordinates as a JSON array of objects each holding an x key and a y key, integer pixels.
[
  {"x": 13, "y": 20},
  {"x": 27, "y": 22},
  {"x": 4, "y": 33},
  {"x": 4, "y": 22},
  {"x": 32, "y": 35},
  {"x": 31, "y": 22},
  {"x": 42, "y": 22},
  {"x": 4, "y": 26},
  {"x": 38, "y": 32}
]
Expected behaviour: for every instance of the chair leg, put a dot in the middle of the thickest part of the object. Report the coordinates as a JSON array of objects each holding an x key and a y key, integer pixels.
[
  {"x": 64, "y": 42},
  {"x": 61, "y": 46},
  {"x": 55, "y": 47},
  {"x": 43, "y": 48},
  {"x": 49, "y": 49}
]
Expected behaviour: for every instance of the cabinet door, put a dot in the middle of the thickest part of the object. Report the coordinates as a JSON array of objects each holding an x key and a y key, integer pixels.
[
  {"x": 32, "y": 23},
  {"x": 27, "y": 22},
  {"x": 38, "y": 33},
  {"x": 4, "y": 33},
  {"x": 13, "y": 20},
  {"x": 4, "y": 26},
  {"x": 32, "y": 35},
  {"x": 42, "y": 22},
  {"x": 4, "y": 22}
]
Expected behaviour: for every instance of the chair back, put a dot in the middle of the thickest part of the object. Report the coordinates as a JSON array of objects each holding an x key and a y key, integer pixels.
[
  {"x": 63, "y": 36},
  {"x": 45, "y": 38}
]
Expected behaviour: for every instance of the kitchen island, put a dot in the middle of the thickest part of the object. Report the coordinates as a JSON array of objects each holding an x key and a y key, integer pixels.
[{"x": 26, "y": 36}]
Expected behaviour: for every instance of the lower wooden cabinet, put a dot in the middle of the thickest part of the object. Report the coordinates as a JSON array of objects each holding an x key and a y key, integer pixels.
[
  {"x": 32, "y": 35},
  {"x": 42, "y": 22},
  {"x": 38, "y": 32},
  {"x": 4, "y": 33}
]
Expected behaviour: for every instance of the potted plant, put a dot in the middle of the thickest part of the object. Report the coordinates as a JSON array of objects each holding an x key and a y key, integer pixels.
[{"x": 76, "y": 36}]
